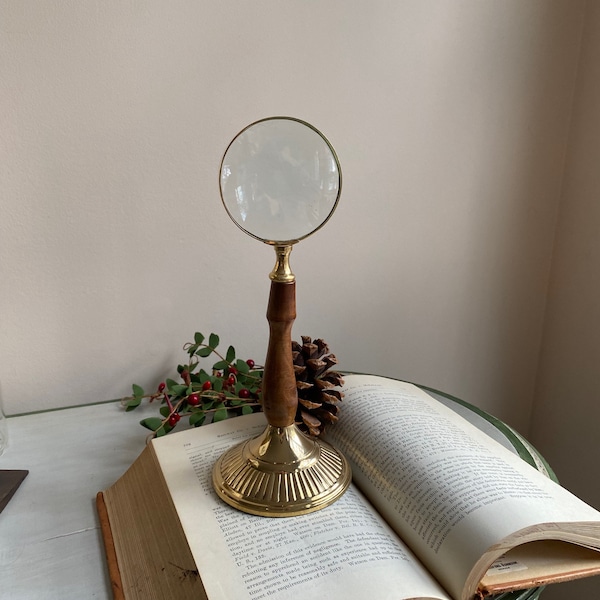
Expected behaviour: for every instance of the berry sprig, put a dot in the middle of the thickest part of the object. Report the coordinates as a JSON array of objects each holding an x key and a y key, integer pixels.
[{"x": 230, "y": 389}]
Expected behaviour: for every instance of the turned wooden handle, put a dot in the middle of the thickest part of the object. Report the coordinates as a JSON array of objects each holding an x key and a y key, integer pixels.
[{"x": 280, "y": 398}]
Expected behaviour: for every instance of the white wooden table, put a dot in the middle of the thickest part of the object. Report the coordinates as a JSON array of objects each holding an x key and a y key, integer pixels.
[{"x": 50, "y": 541}]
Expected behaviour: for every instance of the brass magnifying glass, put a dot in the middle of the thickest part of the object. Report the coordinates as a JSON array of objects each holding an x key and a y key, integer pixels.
[{"x": 280, "y": 181}]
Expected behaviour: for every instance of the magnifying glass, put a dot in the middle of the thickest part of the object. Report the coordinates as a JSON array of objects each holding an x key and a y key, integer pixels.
[{"x": 280, "y": 181}]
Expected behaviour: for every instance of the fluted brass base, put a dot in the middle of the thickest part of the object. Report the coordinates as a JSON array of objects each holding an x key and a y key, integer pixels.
[{"x": 281, "y": 473}]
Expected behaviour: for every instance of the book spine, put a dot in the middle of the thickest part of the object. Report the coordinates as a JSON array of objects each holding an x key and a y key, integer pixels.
[{"x": 109, "y": 547}]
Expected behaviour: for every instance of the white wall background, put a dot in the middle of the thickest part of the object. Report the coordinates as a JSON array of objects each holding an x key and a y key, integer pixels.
[
  {"x": 451, "y": 121},
  {"x": 566, "y": 420}
]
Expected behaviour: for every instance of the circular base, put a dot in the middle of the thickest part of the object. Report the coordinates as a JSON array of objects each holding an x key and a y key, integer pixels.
[{"x": 281, "y": 473}]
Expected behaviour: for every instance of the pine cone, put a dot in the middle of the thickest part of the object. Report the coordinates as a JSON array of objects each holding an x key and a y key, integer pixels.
[{"x": 318, "y": 400}]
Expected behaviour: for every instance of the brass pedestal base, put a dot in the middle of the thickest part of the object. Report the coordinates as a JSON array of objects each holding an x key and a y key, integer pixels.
[{"x": 281, "y": 473}]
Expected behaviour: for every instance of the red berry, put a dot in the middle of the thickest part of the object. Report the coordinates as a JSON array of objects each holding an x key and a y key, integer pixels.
[
  {"x": 161, "y": 387},
  {"x": 231, "y": 380},
  {"x": 250, "y": 363},
  {"x": 193, "y": 399},
  {"x": 244, "y": 393},
  {"x": 174, "y": 419},
  {"x": 206, "y": 385},
  {"x": 233, "y": 371}
]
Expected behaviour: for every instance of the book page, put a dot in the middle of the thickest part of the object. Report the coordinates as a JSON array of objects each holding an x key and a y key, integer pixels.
[
  {"x": 450, "y": 491},
  {"x": 345, "y": 551}
]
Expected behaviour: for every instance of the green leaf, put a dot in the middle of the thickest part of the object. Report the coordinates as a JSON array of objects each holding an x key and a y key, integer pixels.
[
  {"x": 152, "y": 423},
  {"x": 198, "y": 338},
  {"x": 197, "y": 418},
  {"x": 242, "y": 366},
  {"x": 138, "y": 392},
  {"x": 217, "y": 384},
  {"x": 178, "y": 389},
  {"x": 213, "y": 340},
  {"x": 230, "y": 356},
  {"x": 204, "y": 352},
  {"x": 170, "y": 383},
  {"x": 253, "y": 386},
  {"x": 247, "y": 410},
  {"x": 203, "y": 376},
  {"x": 133, "y": 403},
  {"x": 221, "y": 364},
  {"x": 161, "y": 431},
  {"x": 164, "y": 410},
  {"x": 220, "y": 414}
]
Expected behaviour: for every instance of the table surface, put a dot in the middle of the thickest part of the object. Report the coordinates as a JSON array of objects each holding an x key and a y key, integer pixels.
[{"x": 50, "y": 540}]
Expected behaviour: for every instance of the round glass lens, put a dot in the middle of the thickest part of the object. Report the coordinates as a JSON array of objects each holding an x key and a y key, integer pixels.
[{"x": 280, "y": 180}]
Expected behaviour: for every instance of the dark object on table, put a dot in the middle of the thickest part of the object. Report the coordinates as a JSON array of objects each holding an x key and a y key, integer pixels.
[{"x": 9, "y": 482}]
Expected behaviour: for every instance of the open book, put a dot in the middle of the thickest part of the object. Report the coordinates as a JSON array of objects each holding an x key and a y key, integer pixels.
[{"x": 437, "y": 509}]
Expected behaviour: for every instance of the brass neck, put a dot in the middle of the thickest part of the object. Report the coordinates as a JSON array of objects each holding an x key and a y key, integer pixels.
[{"x": 281, "y": 271}]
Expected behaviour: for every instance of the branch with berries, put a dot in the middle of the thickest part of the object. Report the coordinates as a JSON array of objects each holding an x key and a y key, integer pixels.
[{"x": 233, "y": 387}]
